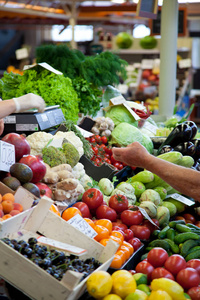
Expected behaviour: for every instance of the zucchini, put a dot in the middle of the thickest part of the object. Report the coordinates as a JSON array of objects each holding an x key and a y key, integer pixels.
[
  {"x": 187, "y": 245},
  {"x": 182, "y": 237},
  {"x": 182, "y": 228},
  {"x": 174, "y": 157},
  {"x": 157, "y": 181},
  {"x": 187, "y": 161},
  {"x": 143, "y": 176}
]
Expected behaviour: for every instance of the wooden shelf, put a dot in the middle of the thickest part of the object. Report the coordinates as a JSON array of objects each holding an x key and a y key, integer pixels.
[{"x": 145, "y": 51}]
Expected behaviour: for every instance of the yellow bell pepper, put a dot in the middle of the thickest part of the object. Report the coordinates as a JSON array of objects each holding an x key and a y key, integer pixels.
[{"x": 171, "y": 287}]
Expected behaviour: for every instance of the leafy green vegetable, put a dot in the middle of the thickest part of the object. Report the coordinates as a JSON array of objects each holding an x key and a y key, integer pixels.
[
  {"x": 119, "y": 114},
  {"x": 8, "y": 85},
  {"x": 125, "y": 134},
  {"x": 109, "y": 93},
  {"x": 90, "y": 97}
]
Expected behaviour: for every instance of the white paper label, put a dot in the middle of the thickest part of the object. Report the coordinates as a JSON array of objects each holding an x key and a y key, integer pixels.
[
  {"x": 45, "y": 66},
  {"x": 7, "y": 156},
  {"x": 60, "y": 245},
  {"x": 145, "y": 214},
  {"x": 182, "y": 199},
  {"x": 84, "y": 132},
  {"x": 150, "y": 127},
  {"x": 79, "y": 223},
  {"x": 27, "y": 127},
  {"x": 117, "y": 100},
  {"x": 185, "y": 63},
  {"x": 10, "y": 120},
  {"x": 21, "y": 53},
  {"x": 147, "y": 63}
]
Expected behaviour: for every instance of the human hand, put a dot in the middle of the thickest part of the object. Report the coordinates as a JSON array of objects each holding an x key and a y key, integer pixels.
[
  {"x": 134, "y": 155},
  {"x": 29, "y": 101},
  {"x": 1, "y": 126}
]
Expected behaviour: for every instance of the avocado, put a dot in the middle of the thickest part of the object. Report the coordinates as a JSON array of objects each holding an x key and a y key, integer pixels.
[
  {"x": 32, "y": 188},
  {"x": 12, "y": 182},
  {"x": 22, "y": 172}
]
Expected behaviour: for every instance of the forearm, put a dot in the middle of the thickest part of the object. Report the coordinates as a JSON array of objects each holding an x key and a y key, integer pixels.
[
  {"x": 185, "y": 180},
  {"x": 7, "y": 107}
]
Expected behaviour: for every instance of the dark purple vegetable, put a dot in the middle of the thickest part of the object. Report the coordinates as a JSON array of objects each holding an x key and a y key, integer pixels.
[
  {"x": 187, "y": 148},
  {"x": 196, "y": 143},
  {"x": 166, "y": 148},
  {"x": 193, "y": 126},
  {"x": 180, "y": 134}
]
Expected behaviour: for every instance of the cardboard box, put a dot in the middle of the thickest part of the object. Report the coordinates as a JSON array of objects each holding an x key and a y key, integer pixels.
[{"x": 32, "y": 280}]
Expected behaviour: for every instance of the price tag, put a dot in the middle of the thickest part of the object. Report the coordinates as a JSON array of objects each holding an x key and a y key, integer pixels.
[
  {"x": 117, "y": 100},
  {"x": 10, "y": 120},
  {"x": 61, "y": 246},
  {"x": 147, "y": 63},
  {"x": 185, "y": 63},
  {"x": 145, "y": 214},
  {"x": 79, "y": 223},
  {"x": 7, "y": 156},
  {"x": 182, "y": 199},
  {"x": 84, "y": 132},
  {"x": 21, "y": 53},
  {"x": 150, "y": 127}
]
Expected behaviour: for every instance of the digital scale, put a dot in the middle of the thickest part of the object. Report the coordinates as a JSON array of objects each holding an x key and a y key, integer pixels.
[{"x": 32, "y": 121}]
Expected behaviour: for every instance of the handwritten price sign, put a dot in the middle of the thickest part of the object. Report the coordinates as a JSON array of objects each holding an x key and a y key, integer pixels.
[
  {"x": 79, "y": 223},
  {"x": 7, "y": 156}
]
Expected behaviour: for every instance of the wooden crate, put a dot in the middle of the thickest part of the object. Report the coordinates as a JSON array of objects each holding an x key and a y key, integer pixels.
[{"x": 33, "y": 280}]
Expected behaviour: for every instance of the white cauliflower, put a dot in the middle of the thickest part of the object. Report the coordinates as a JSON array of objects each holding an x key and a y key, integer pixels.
[
  {"x": 37, "y": 141},
  {"x": 72, "y": 138}
]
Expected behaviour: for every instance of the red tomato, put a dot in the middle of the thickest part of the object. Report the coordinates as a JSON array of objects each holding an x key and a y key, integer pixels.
[
  {"x": 197, "y": 223},
  {"x": 135, "y": 242},
  {"x": 104, "y": 139},
  {"x": 84, "y": 209},
  {"x": 145, "y": 267},
  {"x": 106, "y": 212},
  {"x": 118, "y": 202},
  {"x": 92, "y": 139},
  {"x": 175, "y": 263},
  {"x": 97, "y": 138},
  {"x": 189, "y": 217},
  {"x": 116, "y": 164},
  {"x": 195, "y": 264},
  {"x": 119, "y": 226},
  {"x": 188, "y": 278},
  {"x": 141, "y": 232},
  {"x": 120, "y": 167},
  {"x": 132, "y": 271},
  {"x": 150, "y": 225},
  {"x": 112, "y": 159},
  {"x": 95, "y": 150},
  {"x": 93, "y": 198},
  {"x": 157, "y": 257},
  {"x": 130, "y": 217},
  {"x": 194, "y": 293},
  {"x": 161, "y": 273},
  {"x": 128, "y": 234},
  {"x": 108, "y": 150}
]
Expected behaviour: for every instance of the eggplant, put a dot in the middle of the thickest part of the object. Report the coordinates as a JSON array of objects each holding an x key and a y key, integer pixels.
[
  {"x": 166, "y": 148},
  {"x": 187, "y": 148},
  {"x": 180, "y": 134},
  {"x": 196, "y": 143},
  {"x": 193, "y": 126}
]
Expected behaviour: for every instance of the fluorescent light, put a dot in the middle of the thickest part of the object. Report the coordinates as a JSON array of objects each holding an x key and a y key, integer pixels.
[{"x": 118, "y": 1}]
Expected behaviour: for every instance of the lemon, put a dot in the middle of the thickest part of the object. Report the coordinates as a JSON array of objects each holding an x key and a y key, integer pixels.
[
  {"x": 170, "y": 286},
  {"x": 137, "y": 295},
  {"x": 112, "y": 297},
  {"x": 123, "y": 283},
  {"x": 140, "y": 278},
  {"x": 99, "y": 284},
  {"x": 159, "y": 295}
]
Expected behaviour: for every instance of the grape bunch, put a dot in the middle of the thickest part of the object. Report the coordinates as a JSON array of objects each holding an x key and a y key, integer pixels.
[{"x": 55, "y": 262}]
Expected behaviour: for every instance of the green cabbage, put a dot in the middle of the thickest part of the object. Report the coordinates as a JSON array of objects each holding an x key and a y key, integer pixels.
[
  {"x": 119, "y": 114},
  {"x": 125, "y": 134}
]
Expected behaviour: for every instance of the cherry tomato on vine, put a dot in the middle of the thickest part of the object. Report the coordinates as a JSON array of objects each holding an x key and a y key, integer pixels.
[
  {"x": 97, "y": 138},
  {"x": 104, "y": 139},
  {"x": 92, "y": 140},
  {"x": 109, "y": 150}
]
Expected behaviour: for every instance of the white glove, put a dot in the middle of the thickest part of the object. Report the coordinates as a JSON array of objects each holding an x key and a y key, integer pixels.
[{"x": 29, "y": 101}]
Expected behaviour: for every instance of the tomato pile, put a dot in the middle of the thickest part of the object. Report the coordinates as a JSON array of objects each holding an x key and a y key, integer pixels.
[{"x": 103, "y": 152}]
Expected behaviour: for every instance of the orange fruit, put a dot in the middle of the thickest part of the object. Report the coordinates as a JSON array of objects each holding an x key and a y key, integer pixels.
[
  {"x": 126, "y": 251},
  {"x": 54, "y": 208},
  {"x": 116, "y": 262},
  {"x": 0, "y": 198},
  {"x": 104, "y": 242},
  {"x": 7, "y": 206},
  {"x": 129, "y": 246},
  {"x": 106, "y": 223},
  {"x": 118, "y": 234},
  {"x": 90, "y": 222},
  {"x": 14, "y": 212},
  {"x": 122, "y": 255},
  {"x": 18, "y": 206},
  {"x": 116, "y": 239},
  {"x": 70, "y": 212},
  {"x": 102, "y": 232},
  {"x": 8, "y": 196},
  {"x": 7, "y": 216}
]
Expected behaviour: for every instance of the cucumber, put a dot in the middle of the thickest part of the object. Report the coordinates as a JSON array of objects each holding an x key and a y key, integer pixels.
[
  {"x": 148, "y": 248},
  {"x": 187, "y": 245},
  {"x": 193, "y": 255},
  {"x": 162, "y": 234},
  {"x": 174, "y": 157},
  {"x": 160, "y": 243},
  {"x": 182, "y": 237},
  {"x": 187, "y": 161},
  {"x": 155, "y": 233},
  {"x": 182, "y": 228},
  {"x": 173, "y": 247},
  {"x": 194, "y": 249},
  {"x": 171, "y": 234},
  {"x": 172, "y": 224}
]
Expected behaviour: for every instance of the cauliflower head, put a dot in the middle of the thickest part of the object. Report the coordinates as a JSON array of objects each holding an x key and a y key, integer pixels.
[
  {"x": 37, "y": 141},
  {"x": 72, "y": 138},
  {"x": 71, "y": 154},
  {"x": 53, "y": 156}
]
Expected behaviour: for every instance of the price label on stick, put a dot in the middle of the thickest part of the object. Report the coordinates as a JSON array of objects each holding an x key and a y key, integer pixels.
[
  {"x": 79, "y": 223},
  {"x": 182, "y": 199},
  {"x": 7, "y": 156}
]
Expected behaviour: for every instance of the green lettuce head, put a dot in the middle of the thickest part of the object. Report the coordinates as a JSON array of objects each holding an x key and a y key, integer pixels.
[
  {"x": 119, "y": 114},
  {"x": 125, "y": 134}
]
